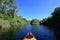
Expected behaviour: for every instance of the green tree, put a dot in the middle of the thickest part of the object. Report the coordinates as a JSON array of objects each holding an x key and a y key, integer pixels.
[
  {"x": 35, "y": 22},
  {"x": 8, "y": 7},
  {"x": 54, "y": 22}
]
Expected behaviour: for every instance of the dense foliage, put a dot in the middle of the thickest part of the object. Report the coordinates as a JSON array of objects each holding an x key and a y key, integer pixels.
[
  {"x": 35, "y": 22},
  {"x": 8, "y": 7},
  {"x": 53, "y": 22},
  {"x": 10, "y": 23}
]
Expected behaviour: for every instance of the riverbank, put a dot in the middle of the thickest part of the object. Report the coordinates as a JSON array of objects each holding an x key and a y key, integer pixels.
[{"x": 8, "y": 29}]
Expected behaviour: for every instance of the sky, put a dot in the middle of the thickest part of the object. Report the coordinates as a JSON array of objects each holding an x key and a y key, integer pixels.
[{"x": 36, "y": 9}]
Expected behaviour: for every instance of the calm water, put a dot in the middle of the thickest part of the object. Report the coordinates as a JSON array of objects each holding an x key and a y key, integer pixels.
[{"x": 40, "y": 32}]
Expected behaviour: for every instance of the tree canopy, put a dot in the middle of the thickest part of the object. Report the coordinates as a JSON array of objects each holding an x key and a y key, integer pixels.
[
  {"x": 35, "y": 22},
  {"x": 53, "y": 22},
  {"x": 8, "y": 7}
]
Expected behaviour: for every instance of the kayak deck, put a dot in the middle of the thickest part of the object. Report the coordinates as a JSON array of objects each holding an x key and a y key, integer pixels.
[{"x": 29, "y": 36}]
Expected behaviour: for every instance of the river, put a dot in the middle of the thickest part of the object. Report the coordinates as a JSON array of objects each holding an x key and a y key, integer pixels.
[{"x": 40, "y": 32}]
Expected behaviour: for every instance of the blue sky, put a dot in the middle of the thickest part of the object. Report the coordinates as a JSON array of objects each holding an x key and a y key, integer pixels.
[{"x": 31, "y": 9}]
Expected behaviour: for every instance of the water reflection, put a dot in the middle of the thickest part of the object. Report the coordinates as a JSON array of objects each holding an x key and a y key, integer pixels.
[{"x": 40, "y": 32}]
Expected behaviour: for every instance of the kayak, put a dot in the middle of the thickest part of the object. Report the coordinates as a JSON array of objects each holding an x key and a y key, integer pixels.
[{"x": 29, "y": 36}]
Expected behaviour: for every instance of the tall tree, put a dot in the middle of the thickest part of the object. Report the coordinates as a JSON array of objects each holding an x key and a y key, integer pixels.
[{"x": 8, "y": 7}]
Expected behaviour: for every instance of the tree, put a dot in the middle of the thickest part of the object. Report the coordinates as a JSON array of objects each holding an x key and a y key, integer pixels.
[
  {"x": 54, "y": 22},
  {"x": 8, "y": 7},
  {"x": 35, "y": 22}
]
